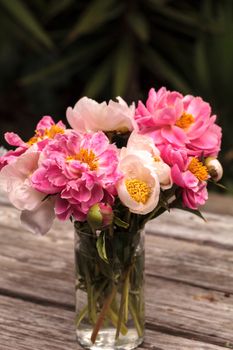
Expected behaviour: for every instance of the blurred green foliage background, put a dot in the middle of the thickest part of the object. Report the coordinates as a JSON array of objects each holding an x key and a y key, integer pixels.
[{"x": 55, "y": 51}]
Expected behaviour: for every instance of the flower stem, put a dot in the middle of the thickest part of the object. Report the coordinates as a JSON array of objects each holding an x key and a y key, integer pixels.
[
  {"x": 114, "y": 319},
  {"x": 124, "y": 302},
  {"x": 102, "y": 315},
  {"x": 81, "y": 315},
  {"x": 135, "y": 318}
]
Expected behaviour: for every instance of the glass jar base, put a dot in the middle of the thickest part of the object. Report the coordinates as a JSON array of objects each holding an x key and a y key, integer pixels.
[{"x": 106, "y": 340}]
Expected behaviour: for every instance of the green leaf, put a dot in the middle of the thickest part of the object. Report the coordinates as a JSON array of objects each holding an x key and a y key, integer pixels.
[
  {"x": 178, "y": 205},
  {"x": 217, "y": 184},
  {"x": 101, "y": 247},
  {"x": 139, "y": 25},
  {"x": 159, "y": 66},
  {"x": 57, "y": 7},
  {"x": 99, "y": 79},
  {"x": 76, "y": 60},
  {"x": 8, "y": 25},
  {"x": 120, "y": 223},
  {"x": 187, "y": 18},
  {"x": 18, "y": 10},
  {"x": 97, "y": 13},
  {"x": 202, "y": 65},
  {"x": 122, "y": 68}
]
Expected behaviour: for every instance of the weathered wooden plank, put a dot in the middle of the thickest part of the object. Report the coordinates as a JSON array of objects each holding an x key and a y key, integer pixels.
[
  {"x": 27, "y": 326},
  {"x": 42, "y": 268},
  {"x": 219, "y": 203},
  {"x": 44, "y": 271},
  {"x": 161, "y": 341},
  {"x": 217, "y": 230},
  {"x": 23, "y": 255},
  {"x": 191, "y": 312},
  {"x": 205, "y": 266}
]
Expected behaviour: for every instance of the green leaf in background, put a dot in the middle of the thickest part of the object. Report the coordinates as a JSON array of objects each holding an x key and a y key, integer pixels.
[
  {"x": 19, "y": 11},
  {"x": 99, "y": 79},
  {"x": 56, "y": 7},
  {"x": 202, "y": 65},
  {"x": 185, "y": 45},
  {"x": 97, "y": 13},
  {"x": 122, "y": 68},
  {"x": 188, "y": 19},
  {"x": 159, "y": 66},
  {"x": 76, "y": 59},
  {"x": 139, "y": 25},
  {"x": 101, "y": 247}
]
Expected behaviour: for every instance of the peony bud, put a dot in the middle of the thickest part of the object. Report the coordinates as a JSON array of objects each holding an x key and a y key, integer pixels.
[
  {"x": 100, "y": 215},
  {"x": 214, "y": 168}
]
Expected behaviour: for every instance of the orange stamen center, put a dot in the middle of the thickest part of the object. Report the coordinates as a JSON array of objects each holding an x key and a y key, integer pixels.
[
  {"x": 138, "y": 190},
  {"x": 46, "y": 134},
  {"x": 85, "y": 156},
  {"x": 198, "y": 169},
  {"x": 185, "y": 121}
]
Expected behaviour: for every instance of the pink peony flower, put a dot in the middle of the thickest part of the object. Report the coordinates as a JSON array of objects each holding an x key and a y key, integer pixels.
[
  {"x": 89, "y": 115},
  {"x": 183, "y": 121},
  {"x": 81, "y": 169},
  {"x": 189, "y": 174},
  {"x": 15, "y": 179},
  {"x": 46, "y": 129}
]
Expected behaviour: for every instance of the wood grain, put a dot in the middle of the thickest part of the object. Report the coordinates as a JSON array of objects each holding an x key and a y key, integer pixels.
[
  {"x": 189, "y": 290},
  {"x": 192, "y": 263},
  {"x": 27, "y": 326},
  {"x": 216, "y": 231}
]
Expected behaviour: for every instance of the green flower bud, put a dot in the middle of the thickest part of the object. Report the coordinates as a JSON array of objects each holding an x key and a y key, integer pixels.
[{"x": 100, "y": 215}]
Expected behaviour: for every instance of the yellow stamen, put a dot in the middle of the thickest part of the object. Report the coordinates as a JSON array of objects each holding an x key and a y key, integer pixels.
[
  {"x": 157, "y": 158},
  {"x": 198, "y": 169},
  {"x": 185, "y": 121},
  {"x": 33, "y": 140},
  {"x": 53, "y": 131},
  {"x": 46, "y": 134},
  {"x": 138, "y": 190},
  {"x": 85, "y": 156}
]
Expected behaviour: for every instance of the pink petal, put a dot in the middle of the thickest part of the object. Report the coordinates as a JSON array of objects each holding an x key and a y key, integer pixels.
[
  {"x": 174, "y": 135},
  {"x": 14, "y": 139}
]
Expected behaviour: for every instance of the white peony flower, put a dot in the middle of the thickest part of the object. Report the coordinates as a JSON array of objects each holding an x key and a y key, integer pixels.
[
  {"x": 89, "y": 115},
  {"x": 143, "y": 146},
  {"x": 139, "y": 188},
  {"x": 39, "y": 220},
  {"x": 15, "y": 181}
]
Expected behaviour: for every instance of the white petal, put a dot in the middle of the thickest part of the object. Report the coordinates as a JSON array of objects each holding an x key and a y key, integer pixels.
[{"x": 39, "y": 220}]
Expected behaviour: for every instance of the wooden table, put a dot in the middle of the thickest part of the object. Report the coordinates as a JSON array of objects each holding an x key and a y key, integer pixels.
[{"x": 189, "y": 289}]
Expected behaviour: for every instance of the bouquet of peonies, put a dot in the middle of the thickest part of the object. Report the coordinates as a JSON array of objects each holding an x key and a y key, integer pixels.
[{"x": 116, "y": 168}]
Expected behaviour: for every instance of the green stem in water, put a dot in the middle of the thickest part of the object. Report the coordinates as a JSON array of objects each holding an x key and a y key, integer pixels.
[
  {"x": 124, "y": 301},
  {"x": 102, "y": 315},
  {"x": 81, "y": 315},
  {"x": 135, "y": 319},
  {"x": 114, "y": 319}
]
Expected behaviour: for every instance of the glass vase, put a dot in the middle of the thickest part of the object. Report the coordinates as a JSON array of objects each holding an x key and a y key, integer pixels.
[{"x": 109, "y": 288}]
